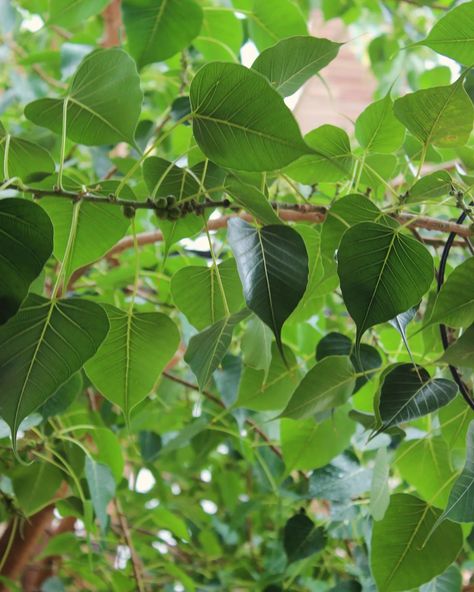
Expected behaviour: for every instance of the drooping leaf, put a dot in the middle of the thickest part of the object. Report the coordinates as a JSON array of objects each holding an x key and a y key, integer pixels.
[
  {"x": 207, "y": 348},
  {"x": 241, "y": 122},
  {"x": 26, "y": 242},
  {"x": 26, "y": 160},
  {"x": 292, "y": 61},
  {"x": 331, "y": 160},
  {"x": 400, "y": 323},
  {"x": 41, "y": 348},
  {"x": 382, "y": 273},
  {"x": 253, "y": 201},
  {"x": 131, "y": 358},
  {"x": 400, "y": 559},
  {"x": 379, "y": 491},
  {"x": 157, "y": 29},
  {"x": 101, "y": 485},
  {"x": 71, "y": 13},
  {"x": 302, "y": 538},
  {"x": 273, "y": 268},
  {"x": 442, "y": 116},
  {"x": 197, "y": 294},
  {"x": 406, "y": 394},
  {"x": 377, "y": 129},
  {"x": 98, "y": 112},
  {"x": 452, "y": 35},
  {"x": 256, "y": 345},
  {"x": 455, "y": 304},
  {"x": 328, "y": 384},
  {"x": 268, "y": 23},
  {"x": 461, "y": 353}
]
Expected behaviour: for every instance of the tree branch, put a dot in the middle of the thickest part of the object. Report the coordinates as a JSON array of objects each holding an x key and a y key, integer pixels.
[{"x": 135, "y": 560}]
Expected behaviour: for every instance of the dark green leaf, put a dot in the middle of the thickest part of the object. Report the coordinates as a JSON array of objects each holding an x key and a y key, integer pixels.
[
  {"x": 36, "y": 485},
  {"x": 63, "y": 397},
  {"x": 302, "y": 538},
  {"x": 253, "y": 201}
]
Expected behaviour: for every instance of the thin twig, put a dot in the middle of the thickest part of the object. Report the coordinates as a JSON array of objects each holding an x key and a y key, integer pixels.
[{"x": 135, "y": 560}]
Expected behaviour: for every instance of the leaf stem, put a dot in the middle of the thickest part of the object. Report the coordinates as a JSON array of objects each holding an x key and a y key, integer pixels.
[
  {"x": 67, "y": 253},
  {"x": 63, "y": 144},
  {"x": 6, "y": 155}
]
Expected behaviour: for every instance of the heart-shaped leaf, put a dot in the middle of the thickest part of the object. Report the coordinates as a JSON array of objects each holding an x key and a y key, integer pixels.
[
  {"x": 26, "y": 242},
  {"x": 97, "y": 110},
  {"x": 377, "y": 129},
  {"x": 131, "y": 358},
  {"x": 41, "y": 347},
  {"x": 241, "y": 122},
  {"x": 273, "y": 268}
]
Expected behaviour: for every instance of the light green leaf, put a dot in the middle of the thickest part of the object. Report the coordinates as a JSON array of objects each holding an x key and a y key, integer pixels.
[
  {"x": 220, "y": 37},
  {"x": 328, "y": 384},
  {"x": 73, "y": 13},
  {"x": 455, "y": 304},
  {"x": 241, "y": 122},
  {"x": 379, "y": 491},
  {"x": 41, "y": 347},
  {"x": 406, "y": 394},
  {"x": 163, "y": 518},
  {"x": 400, "y": 559},
  {"x": 130, "y": 360},
  {"x": 437, "y": 184},
  {"x": 449, "y": 581},
  {"x": 270, "y": 22},
  {"x": 253, "y": 201},
  {"x": 207, "y": 348},
  {"x": 292, "y": 61},
  {"x": 452, "y": 35},
  {"x": 461, "y": 353},
  {"x": 109, "y": 451},
  {"x": 94, "y": 115},
  {"x": 273, "y": 268},
  {"x": 26, "y": 242},
  {"x": 442, "y": 116},
  {"x": 197, "y": 294},
  {"x": 101, "y": 487},
  {"x": 26, "y": 160},
  {"x": 157, "y": 29},
  {"x": 377, "y": 129},
  {"x": 382, "y": 271}
]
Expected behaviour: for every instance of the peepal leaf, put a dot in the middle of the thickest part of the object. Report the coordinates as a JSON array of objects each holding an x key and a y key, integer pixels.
[
  {"x": 377, "y": 129},
  {"x": 41, "y": 347},
  {"x": 406, "y": 394},
  {"x": 101, "y": 485},
  {"x": 302, "y": 538},
  {"x": 24, "y": 159},
  {"x": 382, "y": 272},
  {"x": 132, "y": 356},
  {"x": 271, "y": 21},
  {"x": 252, "y": 200},
  {"x": 157, "y": 29},
  {"x": 292, "y": 61},
  {"x": 452, "y": 35},
  {"x": 241, "y": 122},
  {"x": 71, "y": 13},
  {"x": 98, "y": 111},
  {"x": 273, "y": 268},
  {"x": 400, "y": 559},
  {"x": 26, "y": 242},
  {"x": 461, "y": 353},
  {"x": 442, "y": 115}
]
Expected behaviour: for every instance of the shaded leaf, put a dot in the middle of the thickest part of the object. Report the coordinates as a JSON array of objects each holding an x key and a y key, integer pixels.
[
  {"x": 25, "y": 160},
  {"x": 461, "y": 353},
  {"x": 379, "y": 491},
  {"x": 101, "y": 485},
  {"x": 36, "y": 485},
  {"x": 302, "y": 538},
  {"x": 253, "y": 201}
]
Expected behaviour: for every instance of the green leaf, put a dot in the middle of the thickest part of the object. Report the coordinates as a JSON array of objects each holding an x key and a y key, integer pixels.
[
  {"x": 426, "y": 465},
  {"x": 455, "y": 303},
  {"x": 269, "y": 23},
  {"x": 35, "y": 486},
  {"x": 94, "y": 115},
  {"x": 273, "y": 268},
  {"x": 460, "y": 506},
  {"x": 71, "y": 13},
  {"x": 256, "y": 345},
  {"x": 41, "y": 348},
  {"x": 197, "y": 294},
  {"x": 340, "y": 481},
  {"x": 400, "y": 559},
  {"x": 291, "y": 62},
  {"x": 308, "y": 445},
  {"x": 163, "y": 518},
  {"x": 101, "y": 485},
  {"x": 461, "y": 353},
  {"x": 26, "y": 242},
  {"x": 133, "y": 355},
  {"x": 63, "y": 397},
  {"x": 164, "y": 178},
  {"x": 449, "y": 581},
  {"x": 207, "y": 348},
  {"x": 332, "y": 158},
  {"x": 406, "y": 394},
  {"x": 379, "y": 491},
  {"x": 382, "y": 273},
  {"x": 328, "y": 384},
  {"x": 302, "y": 538},
  {"x": 220, "y": 37},
  {"x": 253, "y": 201},
  {"x": 109, "y": 451},
  {"x": 452, "y": 35},
  {"x": 26, "y": 160},
  {"x": 442, "y": 116},
  {"x": 377, "y": 129},
  {"x": 157, "y": 29},
  {"x": 241, "y": 122},
  {"x": 400, "y": 323},
  {"x": 437, "y": 184},
  {"x": 268, "y": 390}
]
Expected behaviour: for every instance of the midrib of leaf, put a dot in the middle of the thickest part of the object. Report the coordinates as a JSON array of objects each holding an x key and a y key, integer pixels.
[
  {"x": 214, "y": 350},
  {"x": 128, "y": 338},
  {"x": 306, "y": 538},
  {"x": 417, "y": 392},
  {"x": 263, "y": 26},
  {"x": 377, "y": 129},
  {"x": 95, "y": 114},
  {"x": 325, "y": 392},
  {"x": 156, "y": 24},
  {"x": 306, "y": 67},
  {"x": 454, "y": 88}
]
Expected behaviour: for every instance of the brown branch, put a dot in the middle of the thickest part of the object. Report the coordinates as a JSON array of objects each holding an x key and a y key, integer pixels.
[
  {"x": 220, "y": 403},
  {"x": 135, "y": 560},
  {"x": 112, "y": 24}
]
